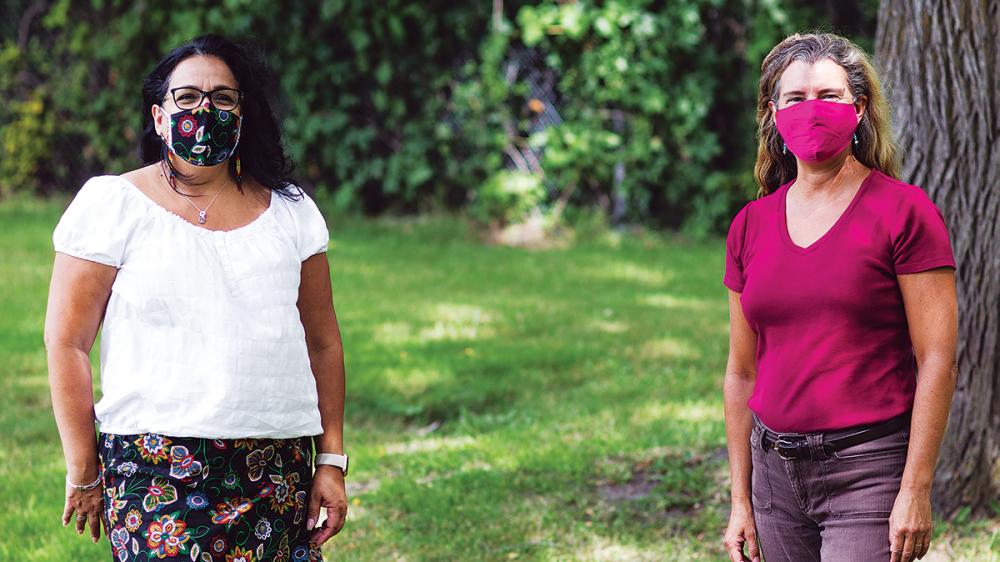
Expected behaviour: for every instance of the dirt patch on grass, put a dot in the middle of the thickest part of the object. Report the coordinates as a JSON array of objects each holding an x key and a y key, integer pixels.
[
  {"x": 663, "y": 486},
  {"x": 638, "y": 487}
]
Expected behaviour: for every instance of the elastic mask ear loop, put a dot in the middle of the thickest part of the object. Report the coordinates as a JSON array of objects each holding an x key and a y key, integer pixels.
[
  {"x": 166, "y": 153},
  {"x": 165, "y": 130}
]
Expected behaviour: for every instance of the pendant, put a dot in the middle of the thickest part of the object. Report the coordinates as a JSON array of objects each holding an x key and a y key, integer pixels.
[{"x": 201, "y": 217}]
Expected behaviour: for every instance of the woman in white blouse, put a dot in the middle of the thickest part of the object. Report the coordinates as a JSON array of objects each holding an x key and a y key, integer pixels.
[{"x": 221, "y": 358}]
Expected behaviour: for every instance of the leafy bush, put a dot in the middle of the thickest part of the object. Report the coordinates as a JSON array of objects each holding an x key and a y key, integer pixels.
[
  {"x": 507, "y": 196},
  {"x": 402, "y": 106}
]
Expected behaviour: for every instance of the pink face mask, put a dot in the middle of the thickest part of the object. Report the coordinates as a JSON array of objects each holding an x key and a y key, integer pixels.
[{"x": 817, "y": 129}]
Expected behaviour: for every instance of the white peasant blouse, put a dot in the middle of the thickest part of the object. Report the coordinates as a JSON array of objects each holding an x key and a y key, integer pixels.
[{"x": 201, "y": 336}]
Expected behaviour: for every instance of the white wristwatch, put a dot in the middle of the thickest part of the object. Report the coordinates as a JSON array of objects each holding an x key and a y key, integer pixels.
[{"x": 339, "y": 461}]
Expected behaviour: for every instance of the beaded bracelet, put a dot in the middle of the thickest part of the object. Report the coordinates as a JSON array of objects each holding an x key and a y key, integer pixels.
[{"x": 85, "y": 487}]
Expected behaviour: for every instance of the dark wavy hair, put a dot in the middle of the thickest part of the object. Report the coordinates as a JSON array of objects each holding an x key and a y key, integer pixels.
[{"x": 262, "y": 155}]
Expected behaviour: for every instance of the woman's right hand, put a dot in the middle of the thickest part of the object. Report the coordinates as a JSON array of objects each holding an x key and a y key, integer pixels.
[
  {"x": 742, "y": 529},
  {"x": 88, "y": 505}
]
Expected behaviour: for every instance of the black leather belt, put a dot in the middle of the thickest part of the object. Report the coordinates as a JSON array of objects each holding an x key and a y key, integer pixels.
[{"x": 797, "y": 447}]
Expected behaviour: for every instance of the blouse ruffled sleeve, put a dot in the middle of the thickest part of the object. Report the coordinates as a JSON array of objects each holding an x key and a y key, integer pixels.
[
  {"x": 920, "y": 238},
  {"x": 95, "y": 225},
  {"x": 734, "y": 278},
  {"x": 312, "y": 235}
]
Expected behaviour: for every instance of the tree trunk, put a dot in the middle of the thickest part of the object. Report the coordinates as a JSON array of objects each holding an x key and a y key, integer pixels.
[{"x": 940, "y": 61}]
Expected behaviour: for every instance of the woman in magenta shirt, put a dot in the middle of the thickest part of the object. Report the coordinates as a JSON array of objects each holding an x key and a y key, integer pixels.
[{"x": 843, "y": 324}]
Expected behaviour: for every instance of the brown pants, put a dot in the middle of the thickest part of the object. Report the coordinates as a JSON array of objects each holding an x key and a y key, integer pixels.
[{"x": 835, "y": 509}]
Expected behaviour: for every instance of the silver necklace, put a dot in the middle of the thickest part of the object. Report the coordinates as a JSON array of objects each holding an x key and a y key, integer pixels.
[{"x": 202, "y": 213}]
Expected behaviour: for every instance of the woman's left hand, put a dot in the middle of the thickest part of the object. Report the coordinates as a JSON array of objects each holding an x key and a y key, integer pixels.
[
  {"x": 910, "y": 525},
  {"x": 327, "y": 491}
]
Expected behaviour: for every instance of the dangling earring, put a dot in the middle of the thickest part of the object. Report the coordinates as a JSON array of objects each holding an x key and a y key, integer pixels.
[
  {"x": 170, "y": 174},
  {"x": 855, "y": 139},
  {"x": 784, "y": 148},
  {"x": 239, "y": 171}
]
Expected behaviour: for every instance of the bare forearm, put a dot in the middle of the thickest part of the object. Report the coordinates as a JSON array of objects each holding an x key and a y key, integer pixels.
[
  {"x": 931, "y": 405},
  {"x": 328, "y": 368},
  {"x": 736, "y": 392},
  {"x": 71, "y": 386}
]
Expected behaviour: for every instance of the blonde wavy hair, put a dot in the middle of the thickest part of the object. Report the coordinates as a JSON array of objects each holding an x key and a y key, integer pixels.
[{"x": 876, "y": 146}]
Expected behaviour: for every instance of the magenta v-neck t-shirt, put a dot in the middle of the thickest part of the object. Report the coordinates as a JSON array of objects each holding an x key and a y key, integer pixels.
[{"x": 833, "y": 346}]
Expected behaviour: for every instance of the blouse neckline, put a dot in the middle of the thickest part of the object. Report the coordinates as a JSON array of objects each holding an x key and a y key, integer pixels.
[
  {"x": 189, "y": 225},
  {"x": 783, "y": 219}
]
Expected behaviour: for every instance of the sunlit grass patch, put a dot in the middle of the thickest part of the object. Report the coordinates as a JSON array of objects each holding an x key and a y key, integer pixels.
[{"x": 502, "y": 404}]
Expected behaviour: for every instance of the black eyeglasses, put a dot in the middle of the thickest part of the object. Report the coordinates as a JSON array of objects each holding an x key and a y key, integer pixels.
[{"x": 225, "y": 99}]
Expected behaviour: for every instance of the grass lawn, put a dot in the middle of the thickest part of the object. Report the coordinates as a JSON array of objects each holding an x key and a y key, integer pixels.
[{"x": 503, "y": 404}]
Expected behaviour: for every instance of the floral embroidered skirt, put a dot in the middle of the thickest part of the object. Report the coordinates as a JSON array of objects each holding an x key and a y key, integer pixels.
[{"x": 207, "y": 500}]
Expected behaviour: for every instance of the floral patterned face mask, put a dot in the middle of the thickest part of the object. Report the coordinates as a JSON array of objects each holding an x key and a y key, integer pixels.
[{"x": 205, "y": 135}]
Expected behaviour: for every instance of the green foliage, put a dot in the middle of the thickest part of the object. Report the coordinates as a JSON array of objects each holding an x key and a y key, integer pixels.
[
  {"x": 24, "y": 142},
  {"x": 367, "y": 87},
  {"x": 405, "y": 106},
  {"x": 507, "y": 196},
  {"x": 639, "y": 80}
]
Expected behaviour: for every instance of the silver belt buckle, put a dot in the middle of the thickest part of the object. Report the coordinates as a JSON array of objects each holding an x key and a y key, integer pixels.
[{"x": 788, "y": 445}]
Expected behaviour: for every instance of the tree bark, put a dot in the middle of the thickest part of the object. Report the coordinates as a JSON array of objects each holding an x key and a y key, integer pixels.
[{"x": 940, "y": 61}]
